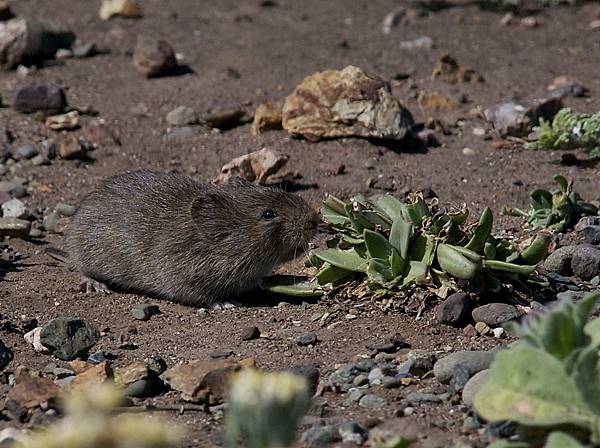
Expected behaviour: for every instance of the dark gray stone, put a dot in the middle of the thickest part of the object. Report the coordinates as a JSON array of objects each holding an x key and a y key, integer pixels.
[
  {"x": 352, "y": 432},
  {"x": 455, "y": 310},
  {"x": 590, "y": 234},
  {"x": 144, "y": 311},
  {"x": 475, "y": 361},
  {"x": 250, "y": 333},
  {"x": 559, "y": 261},
  {"x": 310, "y": 373},
  {"x": 307, "y": 339},
  {"x": 495, "y": 313},
  {"x": 6, "y": 356},
  {"x": 68, "y": 338},
  {"x": 418, "y": 397},
  {"x": 27, "y": 151},
  {"x": 460, "y": 377},
  {"x": 318, "y": 436},
  {"x": 47, "y": 98},
  {"x": 586, "y": 262},
  {"x": 373, "y": 402}
]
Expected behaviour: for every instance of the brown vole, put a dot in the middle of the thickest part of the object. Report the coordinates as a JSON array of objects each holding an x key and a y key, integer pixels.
[{"x": 169, "y": 236}]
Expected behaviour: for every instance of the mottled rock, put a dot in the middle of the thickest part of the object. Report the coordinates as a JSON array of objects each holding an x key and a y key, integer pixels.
[
  {"x": 455, "y": 310},
  {"x": 460, "y": 377},
  {"x": 144, "y": 311},
  {"x": 29, "y": 41},
  {"x": 345, "y": 103},
  {"x": 120, "y": 8},
  {"x": 483, "y": 328},
  {"x": 201, "y": 381},
  {"x": 14, "y": 209},
  {"x": 266, "y": 117},
  {"x": 474, "y": 385},
  {"x": 71, "y": 148},
  {"x": 261, "y": 167},
  {"x": 182, "y": 116},
  {"x": 373, "y": 402},
  {"x": 352, "y": 432},
  {"x": 475, "y": 361},
  {"x": 560, "y": 260},
  {"x": 68, "y": 338},
  {"x": 17, "y": 228},
  {"x": 319, "y": 436},
  {"x": 586, "y": 262},
  {"x": 46, "y": 98},
  {"x": 250, "y": 333},
  {"x": 154, "y": 57},
  {"x": 422, "y": 361},
  {"x": 590, "y": 234},
  {"x": 495, "y": 313}
]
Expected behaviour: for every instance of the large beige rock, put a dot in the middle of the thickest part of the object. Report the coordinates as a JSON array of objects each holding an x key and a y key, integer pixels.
[{"x": 345, "y": 103}]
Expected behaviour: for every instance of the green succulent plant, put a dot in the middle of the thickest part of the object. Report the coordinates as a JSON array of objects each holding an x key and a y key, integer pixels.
[
  {"x": 550, "y": 378},
  {"x": 569, "y": 130},
  {"x": 554, "y": 210},
  {"x": 397, "y": 245}
]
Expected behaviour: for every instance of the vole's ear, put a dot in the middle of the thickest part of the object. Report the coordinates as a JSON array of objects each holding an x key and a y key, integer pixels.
[
  {"x": 238, "y": 181},
  {"x": 205, "y": 206}
]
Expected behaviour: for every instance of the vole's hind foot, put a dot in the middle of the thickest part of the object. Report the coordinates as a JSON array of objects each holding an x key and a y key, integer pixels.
[
  {"x": 89, "y": 285},
  {"x": 225, "y": 305}
]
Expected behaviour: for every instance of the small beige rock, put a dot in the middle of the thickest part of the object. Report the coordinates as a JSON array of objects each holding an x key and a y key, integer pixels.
[
  {"x": 33, "y": 338},
  {"x": 482, "y": 328},
  {"x": 122, "y": 8},
  {"x": 67, "y": 121},
  {"x": 124, "y": 376},
  {"x": 529, "y": 22},
  {"x": 259, "y": 166},
  {"x": 448, "y": 70},
  {"x": 435, "y": 100},
  {"x": 18, "y": 228},
  {"x": 153, "y": 57},
  {"x": 71, "y": 148},
  {"x": 267, "y": 116},
  {"x": 95, "y": 375},
  {"x": 594, "y": 25}
]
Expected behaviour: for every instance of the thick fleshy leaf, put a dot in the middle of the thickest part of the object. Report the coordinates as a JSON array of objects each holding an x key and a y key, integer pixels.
[
  {"x": 379, "y": 270},
  {"x": 400, "y": 236},
  {"x": 293, "y": 285},
  {"x": 378, "y": 245},
  {"x": 389, "y": 205},
  {"x": 562, "y": 440},
  {"x": 345, "y": 259},
  {"x": 530, "y": 386},
  {"x": 333, "y": 275}
]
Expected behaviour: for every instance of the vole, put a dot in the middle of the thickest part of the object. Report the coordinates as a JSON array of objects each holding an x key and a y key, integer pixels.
[{"x": 169, "y": 236}]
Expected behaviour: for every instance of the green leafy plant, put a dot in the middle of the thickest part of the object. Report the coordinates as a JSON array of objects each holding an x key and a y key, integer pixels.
[
  {"x": 550, "y": 378},
  {"x": 569, "y": 130},
  {"x": 556, "y": 210},
  {"x": 396, "y": 245},
  {"x": 265, "y": 409}
]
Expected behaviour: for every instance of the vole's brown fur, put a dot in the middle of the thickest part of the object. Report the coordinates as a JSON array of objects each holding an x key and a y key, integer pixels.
[{"x": 169, "y": 236}]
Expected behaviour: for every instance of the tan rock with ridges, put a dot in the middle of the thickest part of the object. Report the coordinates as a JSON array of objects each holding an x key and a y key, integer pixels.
[{"x": 345, "y": 103}]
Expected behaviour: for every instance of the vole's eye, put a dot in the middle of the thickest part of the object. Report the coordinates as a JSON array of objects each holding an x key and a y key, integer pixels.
[{"x": 269, "y": 214}]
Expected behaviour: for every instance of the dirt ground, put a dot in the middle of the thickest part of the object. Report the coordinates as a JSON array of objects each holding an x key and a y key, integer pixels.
[{"x": 247, "y": 53}]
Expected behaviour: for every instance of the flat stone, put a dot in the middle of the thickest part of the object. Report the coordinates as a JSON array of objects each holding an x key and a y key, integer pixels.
[
  {"x": 17, "y": 228},
  {"x": 455, "y": 310},
  {"x": 250, "y": 333},
  {"x": 495, "y": 313},
  {"x": 475, "y": 361},
  {"x": 68, "y": 338},
  {"x": 373, "y": 402},
  {"x": 47, "y": 98},
  {"x": 418, "y": 397},
  {"x": 345, "y": 103},
  {"x": 15, "y": 209},
  {"x": 224, "y": 117},
  {"x": 319, "y": 436},
  {"x": 460, "y": 377},
  {"x": 71, "y": 148},
  {"x": 182, "y": 116},
  {"x": 143, "y": 311},
  {"x": 154, "y": 57},
  {"x": 27, "y": 151},
  {"x": 474, "y": 385},
  {"x": 201, "y": 381},
  {"x": 181, "y": 134},
  {"x": 94, "y": 376},
  {"x": 586, "y": 262},
  {"x": 31, "y": 391}
]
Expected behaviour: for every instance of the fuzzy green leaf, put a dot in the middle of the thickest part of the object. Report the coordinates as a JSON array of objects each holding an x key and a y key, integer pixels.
[
  {"x": 378, "y": 246},
  {"x": 400, "y": 236}
]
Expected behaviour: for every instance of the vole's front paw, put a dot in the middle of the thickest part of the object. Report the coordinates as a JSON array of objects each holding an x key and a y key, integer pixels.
[
  {"x": 89, "y": 285},
  {"x": 225, "y": 305}
]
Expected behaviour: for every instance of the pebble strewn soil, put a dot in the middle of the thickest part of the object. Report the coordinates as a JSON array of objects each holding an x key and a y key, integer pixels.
[{"x": 245, "y": 53}]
